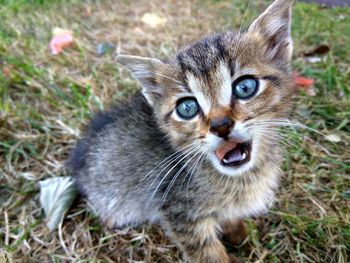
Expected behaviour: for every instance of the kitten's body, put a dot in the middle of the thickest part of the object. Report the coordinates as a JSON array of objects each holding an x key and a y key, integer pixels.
[
  {"x": 118, "y": 154},
  {"x": 142, "y": 162}
]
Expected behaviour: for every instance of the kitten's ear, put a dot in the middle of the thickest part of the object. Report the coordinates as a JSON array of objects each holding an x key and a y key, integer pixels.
[
  {"x": 145, "y": 71},
  {"x": 273, "y": 27}
]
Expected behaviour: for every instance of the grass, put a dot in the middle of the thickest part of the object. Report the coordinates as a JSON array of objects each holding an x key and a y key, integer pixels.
[{"x": 44, "y": 100}]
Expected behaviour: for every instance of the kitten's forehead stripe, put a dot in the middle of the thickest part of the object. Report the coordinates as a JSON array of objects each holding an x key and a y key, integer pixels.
[
  {"x": 197, "y": 90},
  {"x": 216, "y": 92},
  {"x": 219, "y": 45},
  {"x": 225, "y": 90},
  {"x": 204, "y": 56}
]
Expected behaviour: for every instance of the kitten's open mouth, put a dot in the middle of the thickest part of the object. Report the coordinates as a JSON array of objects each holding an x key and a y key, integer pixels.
[{"x": 233, "y": 153}]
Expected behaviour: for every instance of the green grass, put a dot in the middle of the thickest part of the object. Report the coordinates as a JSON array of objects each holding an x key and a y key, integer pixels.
[{"x": 45, "y": 100}]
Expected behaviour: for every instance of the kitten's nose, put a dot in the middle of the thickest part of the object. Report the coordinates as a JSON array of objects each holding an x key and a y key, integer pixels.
[{"x": 221, "y": 127}]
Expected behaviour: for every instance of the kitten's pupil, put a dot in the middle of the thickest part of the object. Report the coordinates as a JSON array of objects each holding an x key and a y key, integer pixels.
[{"x": 245, "y": 88}]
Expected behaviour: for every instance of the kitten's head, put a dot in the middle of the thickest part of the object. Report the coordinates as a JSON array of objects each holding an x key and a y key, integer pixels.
[{"x": 218, "y": 95}]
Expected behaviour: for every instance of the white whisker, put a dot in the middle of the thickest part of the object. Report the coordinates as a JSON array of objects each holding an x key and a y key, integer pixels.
[
  {"x": 167, "y": 164},
  {"x": 240, "y": 30},
  {"x": 166, "y": 159},
  {"x": 285, "y": 134},
  {"x": 166, "y": 175},
  {"x": 200, "y": 161},
  {"x": 278, "y": 137},
  {"x": 176, "y": 176},
  {"x": 167, "y": 77},
  {"x": 189, "y": 170},
  {"x": 287, "y": 122}
]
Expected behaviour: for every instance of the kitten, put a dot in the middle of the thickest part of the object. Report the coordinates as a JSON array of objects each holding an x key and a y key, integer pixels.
[{"x": 194, "y": 151}]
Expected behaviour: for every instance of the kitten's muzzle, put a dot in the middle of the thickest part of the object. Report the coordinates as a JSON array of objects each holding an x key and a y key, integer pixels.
[{"x": 222, "y": 127}]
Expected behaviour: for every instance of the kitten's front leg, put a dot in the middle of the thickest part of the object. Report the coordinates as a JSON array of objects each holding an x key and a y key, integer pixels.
[{"x": 199, "y": 240}]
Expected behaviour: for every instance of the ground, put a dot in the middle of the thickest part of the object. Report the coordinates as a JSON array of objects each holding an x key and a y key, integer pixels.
[{"x": 46, "y": 99}]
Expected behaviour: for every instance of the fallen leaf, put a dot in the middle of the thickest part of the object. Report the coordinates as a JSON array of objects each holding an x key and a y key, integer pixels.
[
  {"x": 346, "y": 194},
  {"x": 303, "y": 111},
  {"x": 311, "y": 92},
  {"x": 61, "y": 38},
  {"x": 313, "y": 59},
  {"x": 303, "y": 83},
  {"x": 87, "y": 11},
  {"x": 28, "y": 176},
  {"x": 8, "y": 70},
  {"x": 334, "y": 138},
  {"x": 153, "y": 20},
  {"x": 104, "y": 48},
  {"x": 320, "y": 50},
  {"x": 56, "y": 196}
]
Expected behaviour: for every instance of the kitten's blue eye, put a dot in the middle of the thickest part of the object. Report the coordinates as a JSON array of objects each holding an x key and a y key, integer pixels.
[
  {"x": 246, "y": 87},
  {"x": 187, "y": 108}
]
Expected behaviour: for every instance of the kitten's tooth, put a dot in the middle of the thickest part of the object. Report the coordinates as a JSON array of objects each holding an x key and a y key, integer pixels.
[
  {"x": 244, "y": 155},
  {"x": 225, "y": 161}
]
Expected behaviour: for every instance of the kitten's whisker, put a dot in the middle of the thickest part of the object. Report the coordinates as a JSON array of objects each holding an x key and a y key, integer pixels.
[
  {"x": 287, "y": 141},
  {"x": 292, "y": 124},
  {"x": 277, "y": 131},
  {"x": 303, "y": 136},
  {"x": 189, "y": 170},
  {"x": 254, "y": 122},
  {"x": 299, "y": 125},
  {"x": 166, "y": 175},
  {"x": 167, "y": 77},
  {"x": 240, "y": 30},
  {"x": 265, "y": 123},
  {"x": 165, "y": 160},
  {"x": 169, "y": 163},
  {"x": 286, "y": 132},
  {"x": 183, "y": 157},
  {"x": 288, "y": 123},
  {"x": 279, "y": 138},
  {"x": 197, "y": 165},
  {"x": 246, "y": 48},
  {"x": 175, "y": 177}
]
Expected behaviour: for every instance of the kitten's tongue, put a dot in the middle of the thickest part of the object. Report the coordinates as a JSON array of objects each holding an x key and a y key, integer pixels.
[{"x": 225, "y": 148}]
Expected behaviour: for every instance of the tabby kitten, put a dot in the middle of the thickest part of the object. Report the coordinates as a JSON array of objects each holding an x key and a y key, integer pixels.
[{"x": 195, "y": 151}]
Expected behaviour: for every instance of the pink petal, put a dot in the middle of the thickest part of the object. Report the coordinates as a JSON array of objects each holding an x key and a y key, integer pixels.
[{"x": 58, "y": 42}]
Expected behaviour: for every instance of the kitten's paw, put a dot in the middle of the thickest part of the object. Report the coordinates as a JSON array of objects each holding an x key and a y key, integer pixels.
[{"x": 234, "y": 232}]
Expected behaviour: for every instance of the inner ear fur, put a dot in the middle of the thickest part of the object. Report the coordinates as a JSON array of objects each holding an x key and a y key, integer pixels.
[
  {"x": 273, "y": 27},
  {"x": 145, "y": 71}
]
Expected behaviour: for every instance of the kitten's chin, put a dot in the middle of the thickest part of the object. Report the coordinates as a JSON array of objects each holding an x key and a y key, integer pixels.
[{"x": 235, "y": 162}]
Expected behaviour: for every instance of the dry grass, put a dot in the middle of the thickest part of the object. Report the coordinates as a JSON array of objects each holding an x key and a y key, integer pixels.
[{"x": 45, "y": 100}]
